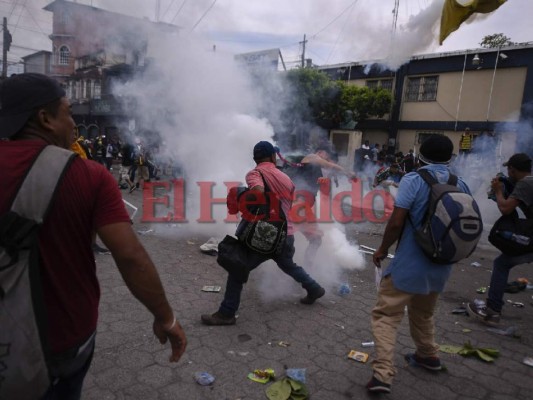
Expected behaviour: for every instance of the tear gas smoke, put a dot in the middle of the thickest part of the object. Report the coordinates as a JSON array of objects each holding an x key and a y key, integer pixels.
[{"x": 204, "y": 107}]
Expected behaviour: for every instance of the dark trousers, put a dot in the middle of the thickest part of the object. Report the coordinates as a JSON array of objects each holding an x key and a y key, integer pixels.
[{"x": 232, "y": 296}]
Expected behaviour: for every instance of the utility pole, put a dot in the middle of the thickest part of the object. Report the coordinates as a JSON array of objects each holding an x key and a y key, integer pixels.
[
  {"x": 157, "y": 10},
  {"x": 303, "y": 52},
  {"x": 5, "y": 48}
]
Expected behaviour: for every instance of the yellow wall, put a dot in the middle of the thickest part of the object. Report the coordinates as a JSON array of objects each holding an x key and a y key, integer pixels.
[{"x": 505, "y": 103}]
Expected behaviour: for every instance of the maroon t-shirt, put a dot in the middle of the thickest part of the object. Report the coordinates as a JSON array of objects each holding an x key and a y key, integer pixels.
[{"x": 87, "y": 199}]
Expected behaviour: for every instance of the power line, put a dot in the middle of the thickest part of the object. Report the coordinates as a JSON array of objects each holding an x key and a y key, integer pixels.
[
  {"x": 341, "y": 31},
  {"x": 168, "y": 8},
  {"x": 177, "y": 12},
  {"x": 333, "y": 20},
  {"x": 31, "y": 15},
  {"x": 205, "y": 13}
]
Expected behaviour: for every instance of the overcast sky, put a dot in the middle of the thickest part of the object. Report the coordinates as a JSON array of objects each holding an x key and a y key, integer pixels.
[{"x": 336, "y": 30}]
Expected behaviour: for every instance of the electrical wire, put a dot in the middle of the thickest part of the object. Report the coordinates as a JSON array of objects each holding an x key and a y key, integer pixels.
[
  {"x": 205, "y": 13},
  {"x": 177, "y": 12},
  {"x": 168, "y": 8},
  {"x": 340, "y": 33},
  {"x": 333, "y": 20}
]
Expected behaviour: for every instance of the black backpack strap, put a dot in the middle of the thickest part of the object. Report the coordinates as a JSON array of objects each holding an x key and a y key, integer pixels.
[
  {"x": 267, "y": 189},
  {"x": 452, "y": 180},
  {"x": 427, "y": 177}
]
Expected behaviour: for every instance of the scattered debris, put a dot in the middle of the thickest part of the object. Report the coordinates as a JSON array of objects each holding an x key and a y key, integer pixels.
[
  {"x": 460, "y": 310},
  {"x": 344, "y": 289},
  {"x": 261, "y": 375},
  {"x": 516, "y": 304},
  {"x": 340, "y": 326},
  {"x": 516, "y": 286},
  {"x": 283, "y": 344},
  {"x": 475, "y": 264},
  {"x": 481, "y": 290},
  {"x": 367, "y": 344},
  {"x": 204, "y": 378},
  {"x": 528, "y": 361},
  {"x": 146, "y": 232},
  {"x": 211, "y": 289},
  {"x": 370, "y": 250},
  {"x": 358, "y": 356},
  {"x": 190, "y": 242},
  {"x": 466, "y": 330},
  {"x": 210, "y": 247},
  {"x": 510, "y": 331},
  {"x": 485, "y": 354},
  {"x": 287, "y": 389},
  {"x": 298, "y": 374}
]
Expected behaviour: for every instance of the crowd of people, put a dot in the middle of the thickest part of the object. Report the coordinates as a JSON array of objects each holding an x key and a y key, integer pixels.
[{"x": 35, "y": 114}]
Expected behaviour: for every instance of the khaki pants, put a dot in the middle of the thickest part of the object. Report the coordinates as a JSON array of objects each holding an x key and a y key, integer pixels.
[{"x": 387, "y": 316}]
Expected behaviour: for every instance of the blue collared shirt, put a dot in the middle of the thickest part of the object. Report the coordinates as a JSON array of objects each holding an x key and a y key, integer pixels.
[{"x": 410, "y": 269}]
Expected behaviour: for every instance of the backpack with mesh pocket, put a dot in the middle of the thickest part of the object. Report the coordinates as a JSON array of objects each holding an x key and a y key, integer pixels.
[
  {"x": 24, "y": 349},
  {"x": 452, "y": 224}
]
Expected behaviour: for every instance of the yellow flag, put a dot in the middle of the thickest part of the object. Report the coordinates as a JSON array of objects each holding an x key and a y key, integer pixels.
[{"x": 454, "y": 14}]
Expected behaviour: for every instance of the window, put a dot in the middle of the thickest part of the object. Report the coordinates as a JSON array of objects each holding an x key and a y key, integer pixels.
[
  {"x": 64, "y": 55},
  {"x": 88, "y": 87},
  {"x": 97, "y": 90},
  {"x": 380, "y": 83},
  {"x": 422, "y": 88},
  {"x": 372, "y": 84}
]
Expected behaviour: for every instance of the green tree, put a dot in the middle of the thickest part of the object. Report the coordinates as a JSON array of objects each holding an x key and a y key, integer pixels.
[
  {"x": 322, "y": 100},
  {"x": 495, "y": 40}
]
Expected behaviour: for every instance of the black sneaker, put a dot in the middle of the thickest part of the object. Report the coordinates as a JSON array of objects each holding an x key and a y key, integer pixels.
[
  {"x": 431, "y": 363},
  {"x": 218, "y": 319},
  {"x": 484, "y": 314},
  {"x": 313, "y": 295},
  {"x": 376, "y": 386}
]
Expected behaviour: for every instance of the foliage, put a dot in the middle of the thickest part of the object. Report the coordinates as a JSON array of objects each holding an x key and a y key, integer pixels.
[
  {"x": 495, "y": 40},
  {"x": 322, "y": 100}
]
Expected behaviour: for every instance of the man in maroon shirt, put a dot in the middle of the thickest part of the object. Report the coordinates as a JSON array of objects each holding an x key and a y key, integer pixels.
[{"x": 35, "y": 113}]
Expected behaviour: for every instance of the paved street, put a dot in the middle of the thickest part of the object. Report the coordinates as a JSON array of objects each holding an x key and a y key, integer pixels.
[{"x": 130, "y": 364}]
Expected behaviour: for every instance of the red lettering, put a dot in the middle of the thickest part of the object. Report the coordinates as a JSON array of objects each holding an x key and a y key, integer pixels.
[
  {"x": 355, "y": 195},
  {"x": 369, "y": 209},
  {"x": 150, "y": 202}
]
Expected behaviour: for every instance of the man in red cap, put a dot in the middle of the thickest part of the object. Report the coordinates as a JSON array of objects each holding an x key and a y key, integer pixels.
[
  {"x": 519, "y": 172},
  {"x": 35, "y": 114}
]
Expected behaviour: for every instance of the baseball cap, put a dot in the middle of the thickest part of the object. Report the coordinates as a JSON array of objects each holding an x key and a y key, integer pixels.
[
  {"x": 20, "y": 95},
  {"x": 519, "y": 161},
  {"x": 264, "y": 149}
]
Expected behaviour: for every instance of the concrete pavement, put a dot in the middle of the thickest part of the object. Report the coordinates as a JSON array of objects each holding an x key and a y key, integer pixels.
[{"x": 129, "y": 363}]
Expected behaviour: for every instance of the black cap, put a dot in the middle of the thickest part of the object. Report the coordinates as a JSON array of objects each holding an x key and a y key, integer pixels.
[
  {"x": 519, "y": 161},
  {"x": 436, "y": 149},
  {"x": 20, "y": 95},
  {"x": 264, "y": 149}
]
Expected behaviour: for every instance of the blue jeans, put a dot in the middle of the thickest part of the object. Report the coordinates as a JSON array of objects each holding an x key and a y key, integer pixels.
[
  {"x": 500, "y": 274},
  {"x": 232, "y": 296}
]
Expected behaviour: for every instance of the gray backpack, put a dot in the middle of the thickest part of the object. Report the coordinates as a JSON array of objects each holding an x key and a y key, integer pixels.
[
  {"x": 452, "y": 224},
  {"x": 24, "y": 350}
]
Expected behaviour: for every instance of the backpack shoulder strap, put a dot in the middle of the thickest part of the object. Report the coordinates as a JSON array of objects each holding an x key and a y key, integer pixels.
[
  {"x": 37, "y": 191},
  {"x": 452, "y": 180},
  {"x": 427, "y": 177}
]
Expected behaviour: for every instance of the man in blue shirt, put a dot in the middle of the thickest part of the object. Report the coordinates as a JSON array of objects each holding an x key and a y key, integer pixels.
[{"x": 411, "y": 279}]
